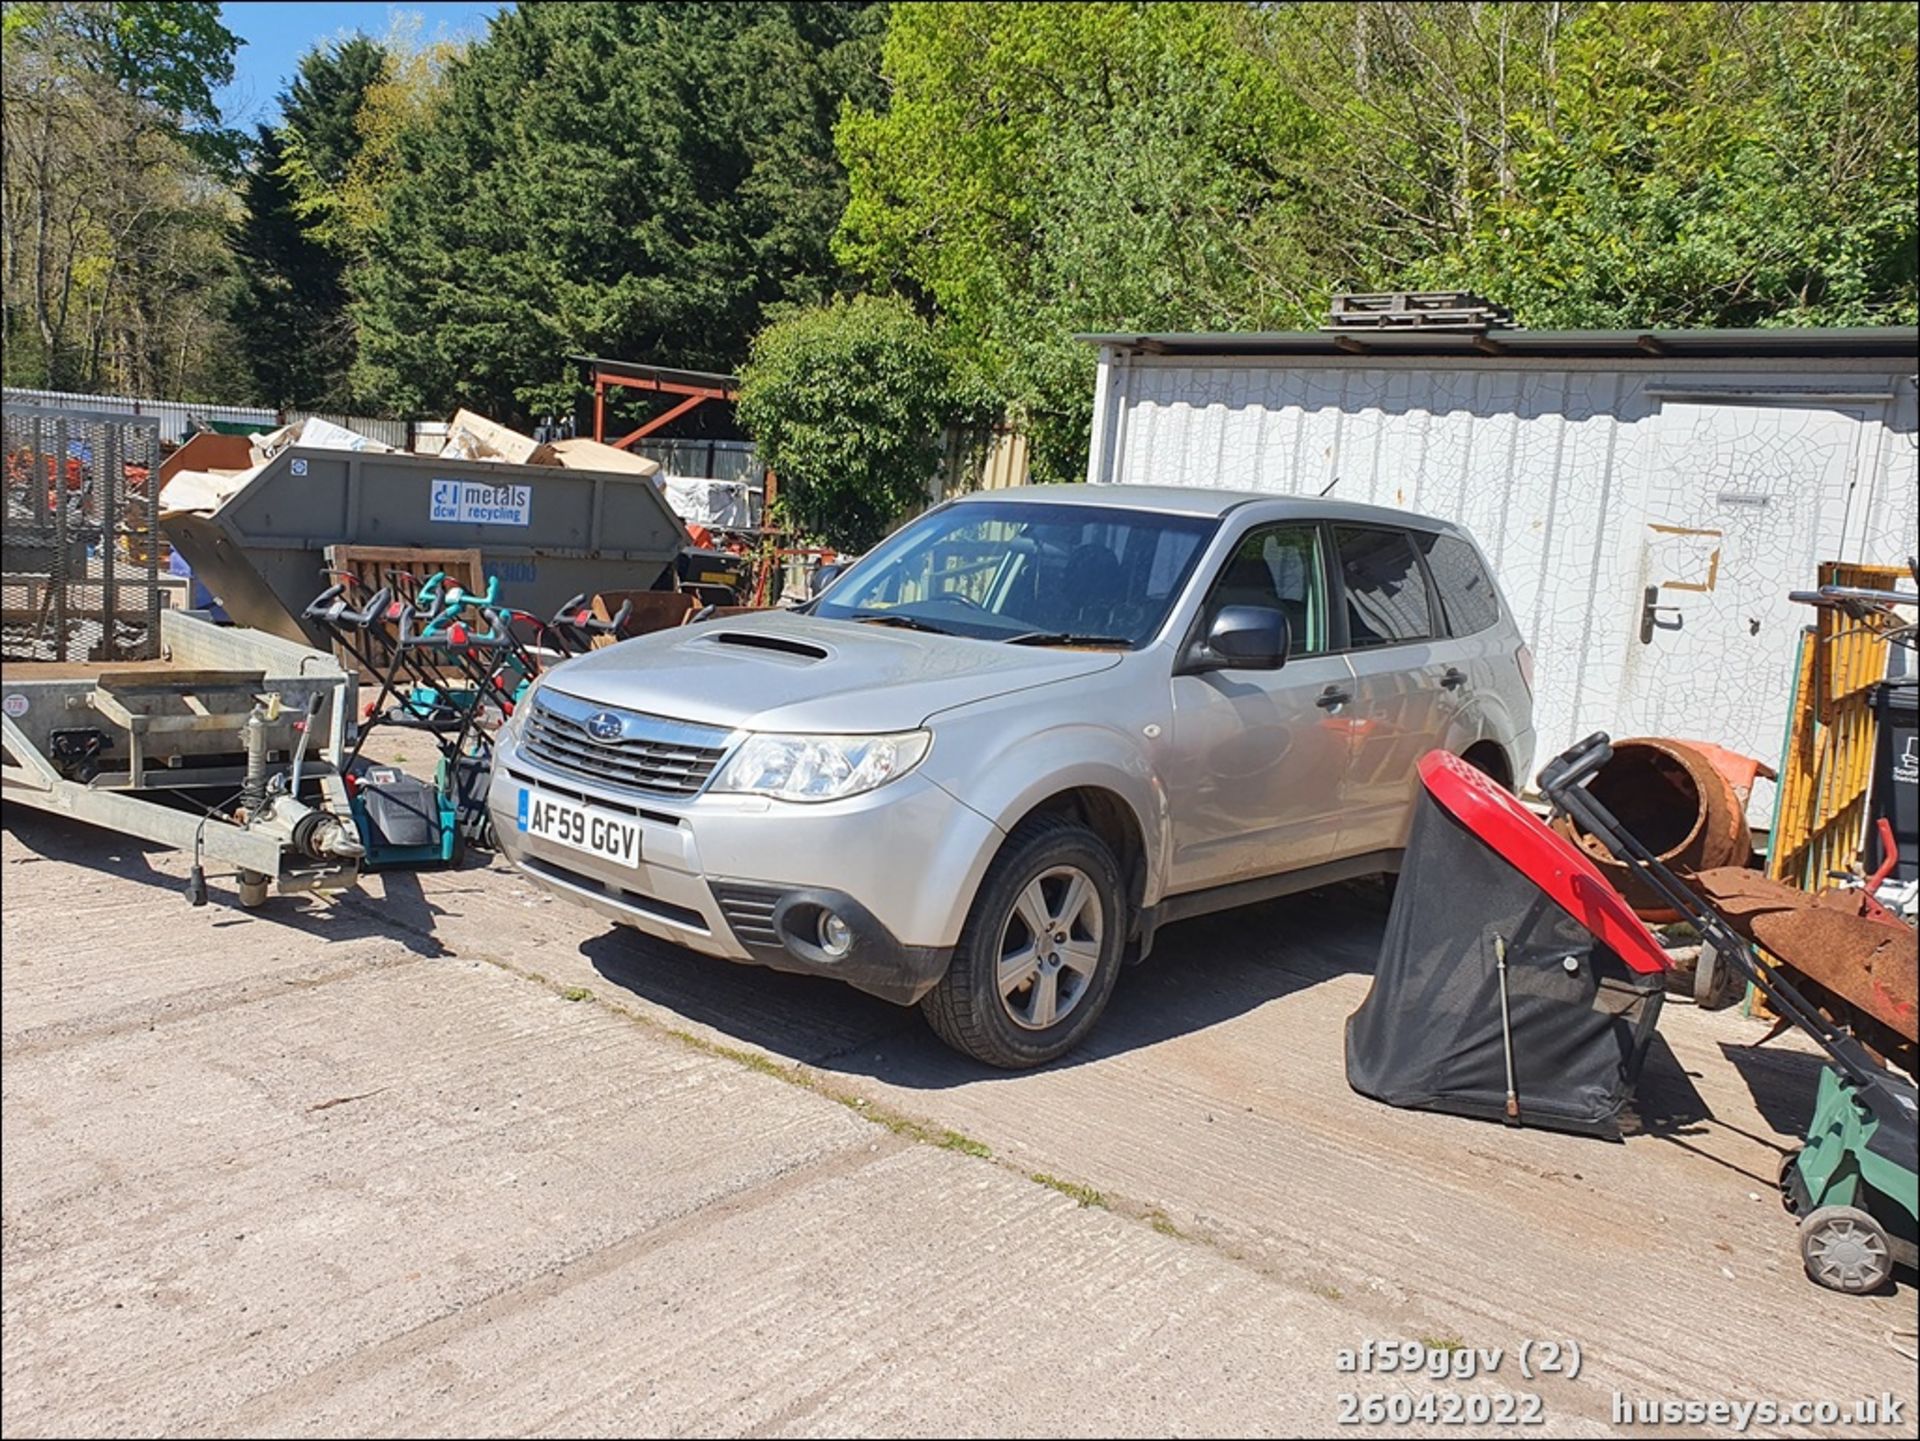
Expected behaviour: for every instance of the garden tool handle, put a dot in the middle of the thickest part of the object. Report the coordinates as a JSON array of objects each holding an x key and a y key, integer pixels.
[
  {"x": 611, "y": 627},
  {"x": 1576, "y": 765},
  {"x": 319, "y": 605},
  {"x": 403, "y": 627},
  {"x": 374, "y": 610},
  {"x": 496, "y": 631}
]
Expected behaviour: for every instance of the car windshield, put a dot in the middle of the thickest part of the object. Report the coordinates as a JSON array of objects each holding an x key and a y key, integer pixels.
[{"x": 1026, "y": 571}]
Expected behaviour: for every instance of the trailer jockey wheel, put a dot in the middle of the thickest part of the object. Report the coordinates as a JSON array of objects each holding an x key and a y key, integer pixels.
[
  {"x": 1845, "y": 1250},
  {"x": 253, "y": 889}
]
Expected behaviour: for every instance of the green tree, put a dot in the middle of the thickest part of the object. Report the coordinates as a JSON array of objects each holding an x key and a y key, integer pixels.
[
  {"x": 641, "y": 180},
  {"x": 341, "y": 173},
  {"x": 1045, "y": 169},
  {"x": 112, "y": 202},
  {"x": 1710, "y": 166},
  {"x": 847, "y": 403},
  {"x": 290, "y": 312}
]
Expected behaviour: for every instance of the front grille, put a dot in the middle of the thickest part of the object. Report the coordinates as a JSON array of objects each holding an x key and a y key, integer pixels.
[
  {"x": 749, "y": 912},
  {"x": 658, "y": 755}
]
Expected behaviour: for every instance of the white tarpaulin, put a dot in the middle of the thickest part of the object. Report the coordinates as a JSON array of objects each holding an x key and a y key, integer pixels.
[{"x": 717, "y": 504}]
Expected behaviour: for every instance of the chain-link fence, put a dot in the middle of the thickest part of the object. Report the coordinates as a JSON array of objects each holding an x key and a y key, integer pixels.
[{"x": 83, "y": 549}]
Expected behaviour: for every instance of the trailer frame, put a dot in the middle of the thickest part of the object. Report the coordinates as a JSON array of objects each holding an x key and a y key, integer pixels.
[{"x": 152, "y": 727}]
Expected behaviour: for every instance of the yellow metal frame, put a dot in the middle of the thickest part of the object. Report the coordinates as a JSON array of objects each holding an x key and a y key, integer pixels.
[
  {"x": 1820, "y": 815},
  {"x": 1820, "y": 807}
]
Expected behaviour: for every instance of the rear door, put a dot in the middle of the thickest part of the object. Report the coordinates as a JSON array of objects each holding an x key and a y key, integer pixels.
[
  {"x": 1483, "y": 695},
  {"x": 1255, "y": 767},
  {"x": 1404, "y": 694}
]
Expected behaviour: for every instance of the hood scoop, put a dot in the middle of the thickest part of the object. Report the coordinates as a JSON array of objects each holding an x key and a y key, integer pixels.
[{"x": 769, "y": 641}]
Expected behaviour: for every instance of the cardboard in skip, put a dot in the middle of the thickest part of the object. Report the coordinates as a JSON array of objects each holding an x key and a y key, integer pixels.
[
  {"x": 584, "y": 454},
  {"x": 474, "y": 437}
]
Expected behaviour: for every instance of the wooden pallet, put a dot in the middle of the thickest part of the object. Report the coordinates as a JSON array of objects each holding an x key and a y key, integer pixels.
[
  {"x": 652, "y": 610},
  {"x": 373, "y": 566}
]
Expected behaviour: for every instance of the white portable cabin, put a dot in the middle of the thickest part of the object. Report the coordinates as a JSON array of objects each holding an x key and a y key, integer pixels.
[{"x": 1647, "y": 499}]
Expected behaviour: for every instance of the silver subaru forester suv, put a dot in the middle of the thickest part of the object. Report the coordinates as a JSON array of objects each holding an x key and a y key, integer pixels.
[{"x": 1031, "y": 727}]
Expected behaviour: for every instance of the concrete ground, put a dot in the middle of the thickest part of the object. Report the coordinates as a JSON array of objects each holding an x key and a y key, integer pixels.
[{"x": 447, "y": 1157}]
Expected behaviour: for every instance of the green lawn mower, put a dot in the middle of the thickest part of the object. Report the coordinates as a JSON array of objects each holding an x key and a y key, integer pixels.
[{"x": 1855, "y": 1184}]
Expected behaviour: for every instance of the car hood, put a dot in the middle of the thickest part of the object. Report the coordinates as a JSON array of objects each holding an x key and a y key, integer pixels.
[{"x": 783, "y": 671}]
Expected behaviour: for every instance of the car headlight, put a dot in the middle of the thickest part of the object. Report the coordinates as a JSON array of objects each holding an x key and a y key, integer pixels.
[{"x": 820, "y": 768}]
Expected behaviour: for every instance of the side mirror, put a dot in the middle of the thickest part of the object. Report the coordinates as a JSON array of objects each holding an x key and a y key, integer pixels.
[
  {"x": 826, "y": 575},
  {"x": 1243, "y": 637}
]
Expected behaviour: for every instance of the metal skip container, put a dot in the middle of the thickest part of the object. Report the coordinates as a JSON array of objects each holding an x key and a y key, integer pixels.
[{"x": 549, "y": 533}]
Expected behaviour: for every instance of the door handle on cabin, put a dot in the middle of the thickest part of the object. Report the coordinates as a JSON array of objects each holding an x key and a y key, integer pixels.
[
  {"x": 1454, "y": 678},
  {"x": 1333, "y": 697},
  {"x": 1650, "y": 609}
]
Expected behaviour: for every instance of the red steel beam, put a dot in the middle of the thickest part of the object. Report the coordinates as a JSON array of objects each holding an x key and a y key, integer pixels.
[
  {"x": 671, "y": 387},
  {"x": 695, "y": 395},
  {"x": 661, "y": 419}
]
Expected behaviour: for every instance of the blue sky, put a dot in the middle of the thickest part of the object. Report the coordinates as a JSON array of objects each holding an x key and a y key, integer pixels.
[{"x": 276, "y": 35}]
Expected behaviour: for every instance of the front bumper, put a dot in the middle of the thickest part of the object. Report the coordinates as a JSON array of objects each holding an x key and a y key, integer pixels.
[{"x": 745, "y": 877}]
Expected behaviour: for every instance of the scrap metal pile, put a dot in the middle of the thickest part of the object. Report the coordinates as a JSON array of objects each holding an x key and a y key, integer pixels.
[{"x": 1845, "y": 934}]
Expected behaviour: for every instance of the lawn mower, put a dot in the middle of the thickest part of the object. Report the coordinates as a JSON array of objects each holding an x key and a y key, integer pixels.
[
  {"x": 452, "y": 665},
  {"x": 402, "y": 819},
  {"x": 574, "y": 626},
  {"x": 1855, "y": 1183}
]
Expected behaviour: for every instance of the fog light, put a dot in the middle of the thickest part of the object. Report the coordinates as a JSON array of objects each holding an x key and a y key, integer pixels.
[{"x": 836, "y": 936}]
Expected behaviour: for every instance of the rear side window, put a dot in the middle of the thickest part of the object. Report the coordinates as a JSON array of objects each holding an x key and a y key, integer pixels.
[
  {"x": 1386, "y": 589},
  {"x": 1466, "y": 590}
]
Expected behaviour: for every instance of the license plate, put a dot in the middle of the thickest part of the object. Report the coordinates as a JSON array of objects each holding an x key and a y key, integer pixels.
[{"x": 581, "y": 828}]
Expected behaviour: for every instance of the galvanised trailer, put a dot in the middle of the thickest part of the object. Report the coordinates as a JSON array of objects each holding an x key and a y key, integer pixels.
[{"x": 227, "y": 743}]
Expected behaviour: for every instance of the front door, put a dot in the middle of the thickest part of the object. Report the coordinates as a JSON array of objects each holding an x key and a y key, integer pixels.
[{"x": 1257, "y": 756}]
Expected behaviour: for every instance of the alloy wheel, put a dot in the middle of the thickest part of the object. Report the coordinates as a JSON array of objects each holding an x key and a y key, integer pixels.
[{"x": 1050, "y": 947}]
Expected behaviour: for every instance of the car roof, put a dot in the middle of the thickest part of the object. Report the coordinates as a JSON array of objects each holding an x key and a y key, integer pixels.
[{"x": 1206, "y": 501}]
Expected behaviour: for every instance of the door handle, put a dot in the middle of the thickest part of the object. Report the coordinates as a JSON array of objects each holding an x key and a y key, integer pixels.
[
  {"x": 1333, "y": 697},
  {"x": 1454, "y": 678},
  {"x": 1650, "y": 621}
]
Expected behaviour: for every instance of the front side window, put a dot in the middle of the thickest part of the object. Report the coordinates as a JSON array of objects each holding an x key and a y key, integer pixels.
[
  {"x": 1386, "y": 590},
  {"x": 1006, "y": 570},
  {"x": 1466, "y": 590},
  {"x": 1278, "y": 566}
]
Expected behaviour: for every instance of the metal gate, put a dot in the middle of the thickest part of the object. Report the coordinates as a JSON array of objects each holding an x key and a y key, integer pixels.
[{"x": 81, "y": 574}]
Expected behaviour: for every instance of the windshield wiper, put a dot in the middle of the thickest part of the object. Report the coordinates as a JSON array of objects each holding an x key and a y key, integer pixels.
[
  {"x": 905, "y": 622},
  {"x": 1068, "y": 637}
]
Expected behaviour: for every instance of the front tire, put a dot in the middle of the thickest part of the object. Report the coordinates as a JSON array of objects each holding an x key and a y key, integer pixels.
[{"x": 1040, "y": 952}]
